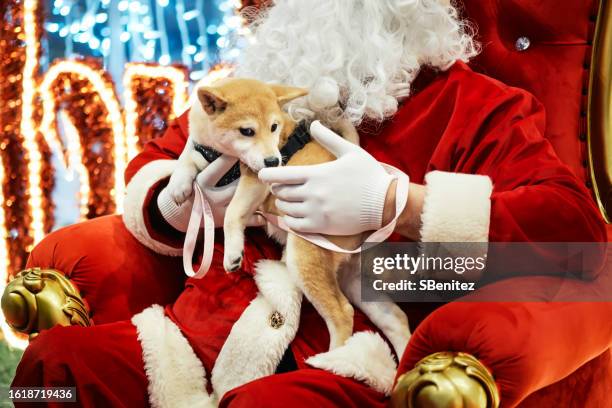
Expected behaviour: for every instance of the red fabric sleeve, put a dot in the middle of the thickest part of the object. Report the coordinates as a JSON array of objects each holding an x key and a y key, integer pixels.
[
  {"x": 463, "y": 123},
  {"x": 535, "y": 196}
]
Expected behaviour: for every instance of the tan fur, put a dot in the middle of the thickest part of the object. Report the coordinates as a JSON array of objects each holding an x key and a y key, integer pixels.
[{"x": 234, "y": 103}]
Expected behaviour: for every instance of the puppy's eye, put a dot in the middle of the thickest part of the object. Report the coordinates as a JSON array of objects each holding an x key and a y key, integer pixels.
[
  {"x": 247, "y": 132},
  {"x": 274, "y": 127}
]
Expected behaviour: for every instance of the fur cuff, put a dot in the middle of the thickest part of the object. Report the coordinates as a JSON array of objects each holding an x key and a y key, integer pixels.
[
  {"x": 176, "y": 375},
  {"x": 457, "y": 208},
  {"x": 263, "y": 332},
  {"x": 136, "y": 194},
  {"x": 365, "y": 357}
]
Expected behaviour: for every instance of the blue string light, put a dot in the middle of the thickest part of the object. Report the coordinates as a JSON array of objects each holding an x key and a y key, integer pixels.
[{"x": 196, "y": 33}]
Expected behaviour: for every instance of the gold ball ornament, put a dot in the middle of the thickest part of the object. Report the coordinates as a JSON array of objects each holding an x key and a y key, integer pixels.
[
  {"x": 38, "y": 299},
  {"x": 446, "y": 380}
]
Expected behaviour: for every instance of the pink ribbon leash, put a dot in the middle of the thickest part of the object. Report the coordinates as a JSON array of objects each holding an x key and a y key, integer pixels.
[{"x": 202, "y": 212}]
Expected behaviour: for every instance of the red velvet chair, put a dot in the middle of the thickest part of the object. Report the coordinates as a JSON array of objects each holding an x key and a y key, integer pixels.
[
  {"x": 540, "y": 354},
  {"x": 535, "y": 354}
]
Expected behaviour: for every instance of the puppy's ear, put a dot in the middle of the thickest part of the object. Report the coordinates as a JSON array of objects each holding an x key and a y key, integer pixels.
[
  {"x": 286, "y": 93},
  {"x": 211, "y": 99}
]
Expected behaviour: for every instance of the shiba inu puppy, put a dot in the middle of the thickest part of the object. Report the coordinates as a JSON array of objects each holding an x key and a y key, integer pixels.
[{"x": 243, "y": 118}]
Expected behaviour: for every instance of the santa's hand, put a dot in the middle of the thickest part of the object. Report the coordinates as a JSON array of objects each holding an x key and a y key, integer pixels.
[
  {"x": 219, "y": 198},
  {"x": 342, "y": 197}
]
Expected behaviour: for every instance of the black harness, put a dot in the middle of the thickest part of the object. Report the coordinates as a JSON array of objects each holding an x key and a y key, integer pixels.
[{"x": 296, "y": 141}]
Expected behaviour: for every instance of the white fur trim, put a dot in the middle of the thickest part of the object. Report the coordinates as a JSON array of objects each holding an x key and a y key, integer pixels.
[
  {"x": 365, "y": 357},
  {"x": 253, "y": 348},
  {"x": 176, "y": 376},
  {"x": 136, "y": 193},
  {"x": 457, "y": 208}
]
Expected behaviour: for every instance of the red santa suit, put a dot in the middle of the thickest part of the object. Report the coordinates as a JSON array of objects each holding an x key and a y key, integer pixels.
[{"x": 490, "y": 175}]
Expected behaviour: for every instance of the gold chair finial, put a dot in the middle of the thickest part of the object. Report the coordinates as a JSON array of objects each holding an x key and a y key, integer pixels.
[
  {"x": 446, "y": 380},
  {"x": 38, "y": 299}
]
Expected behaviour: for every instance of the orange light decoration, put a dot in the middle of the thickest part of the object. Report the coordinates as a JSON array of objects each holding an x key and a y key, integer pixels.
[
  {"x": 15, "y": 171},
  {"x": 13, "y": 339},
  {"x": 86, "y": 95},
  {"x": 217, "y": 72},
  {"x": 28, "y": 126},
  {"x": 153, "y": 96},
  {"x": 25, "y": 157},
  {"x": 255, "y": 4}
]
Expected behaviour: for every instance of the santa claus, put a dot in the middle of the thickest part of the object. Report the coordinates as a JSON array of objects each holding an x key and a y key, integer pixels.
[{"x": 480, "y": 171}]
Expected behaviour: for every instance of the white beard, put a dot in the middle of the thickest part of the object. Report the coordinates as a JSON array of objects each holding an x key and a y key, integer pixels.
[{"x": 357, "y": 57}]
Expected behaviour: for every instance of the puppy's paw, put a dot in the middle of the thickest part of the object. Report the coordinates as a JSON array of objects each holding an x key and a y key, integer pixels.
[
  {"x": 181, "y": 188},
  {"x": 232, "y": 260}
]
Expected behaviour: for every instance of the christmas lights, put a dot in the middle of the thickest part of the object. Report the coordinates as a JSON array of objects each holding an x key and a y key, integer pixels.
[
  {"x": 153, "y": 95},
  {"x": 86, "y": 93},
  {"x": 25, "y": 157},
  {"x": 28, "y": 127},
  {"x": 11, "y": 337},
  {"x": 198, "y": 34},
  {"x": 217, "y": 72}
]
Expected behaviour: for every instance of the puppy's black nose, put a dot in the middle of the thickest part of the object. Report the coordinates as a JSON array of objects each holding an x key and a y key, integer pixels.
[{"x": 271, "y": 162}]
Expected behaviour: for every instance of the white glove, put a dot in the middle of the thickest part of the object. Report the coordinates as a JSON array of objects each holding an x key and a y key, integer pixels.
[
  {"x": 218, "y": 197},
  {"x": 342, "y": 197}
]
